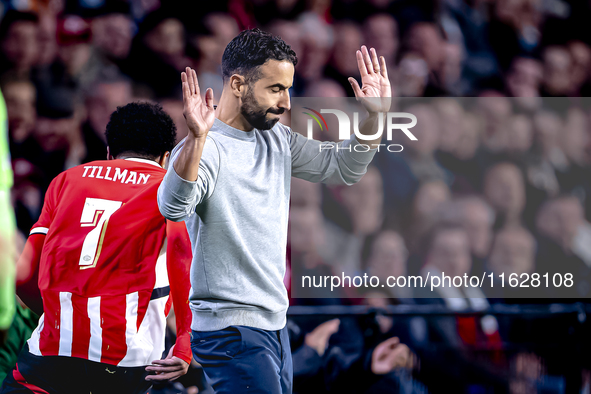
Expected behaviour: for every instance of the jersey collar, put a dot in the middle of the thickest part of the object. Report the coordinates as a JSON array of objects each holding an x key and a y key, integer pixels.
[{"x": 152, "y": 162}]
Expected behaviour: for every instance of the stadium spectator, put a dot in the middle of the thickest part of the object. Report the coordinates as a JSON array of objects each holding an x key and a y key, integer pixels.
[
  {"x": 160, "y": 42},
  {"x": 477, "y": 217},
  {"x": 20, "y": 97},
  {"x": 426, "y": 210},
  {"x": 557, "y": 81},
  {"x": 361, "y": 214},
  {"x": 387, "y": 257},
  {"x": 513, "y": 255},
  {"x": 47, "y": 39},
  {"x": 112, "y": 31},
  {"x": 101, "y": 100},
  {"x": 504, "y": 190},
  {"x": 561, "y": 228},
  {"x": 18, "y": 40}
]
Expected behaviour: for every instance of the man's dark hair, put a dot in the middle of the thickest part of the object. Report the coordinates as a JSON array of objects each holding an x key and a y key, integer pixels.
[
  {"x": 143, "y": 129},
  {"x": 251, "y": 49}
]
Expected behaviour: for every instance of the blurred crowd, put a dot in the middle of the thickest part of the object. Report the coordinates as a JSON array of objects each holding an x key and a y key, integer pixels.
[{"x": 496, "y": 183}]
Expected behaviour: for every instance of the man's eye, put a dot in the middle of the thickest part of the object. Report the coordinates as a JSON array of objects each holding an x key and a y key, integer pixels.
[{"x": 275, "y": 90}]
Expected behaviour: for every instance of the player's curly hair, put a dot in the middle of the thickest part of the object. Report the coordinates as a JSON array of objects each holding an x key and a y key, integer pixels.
[
  {"x": 140, "y": 128},
  {"x": 251, "y": 49}
]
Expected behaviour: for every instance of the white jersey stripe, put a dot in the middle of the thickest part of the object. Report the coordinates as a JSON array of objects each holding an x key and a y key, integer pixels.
[
  {"x": 34, "y": 340},
  {"x": 131, "y": 301},
  {"x": 39, "y": 230},
  {"x": 161, "y": 269},
  {"x": 96, "y": 331},
  {"x": 66, "y": 324},
  {"x": 148, "y": 343}
]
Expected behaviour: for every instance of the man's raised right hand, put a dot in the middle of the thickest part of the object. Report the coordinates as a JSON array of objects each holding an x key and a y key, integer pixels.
[{"x": 198, "y": 114}]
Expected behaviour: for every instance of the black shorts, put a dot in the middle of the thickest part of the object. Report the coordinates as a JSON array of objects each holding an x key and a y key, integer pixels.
[{"x": 67, "y": 375}]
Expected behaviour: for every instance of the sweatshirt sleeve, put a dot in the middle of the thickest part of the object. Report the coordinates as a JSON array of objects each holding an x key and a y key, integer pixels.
[
  {"x": 177, "y": 197},
  {"x": 344, "y": 162}
]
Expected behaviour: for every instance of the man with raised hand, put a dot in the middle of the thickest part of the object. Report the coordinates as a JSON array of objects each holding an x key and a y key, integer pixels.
[{"x": 230, "y": 182}]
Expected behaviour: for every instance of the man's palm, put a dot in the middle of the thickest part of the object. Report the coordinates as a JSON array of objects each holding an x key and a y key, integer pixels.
[
  {"x": 376, "y": 92},
  {"x": 198, "y": 113}
]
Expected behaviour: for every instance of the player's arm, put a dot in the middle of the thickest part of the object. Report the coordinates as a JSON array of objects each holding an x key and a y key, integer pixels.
[
  {"x": 28, "y": 272},
  {"x": 184, "y": 186},
  {"x": 28, "y": 263},
  {"x": 345, "y": 162},
  {"x": 178, "y": 260}
]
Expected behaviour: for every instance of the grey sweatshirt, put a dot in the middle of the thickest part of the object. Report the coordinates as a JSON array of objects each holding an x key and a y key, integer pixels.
[{"x": 236, "y": 214}]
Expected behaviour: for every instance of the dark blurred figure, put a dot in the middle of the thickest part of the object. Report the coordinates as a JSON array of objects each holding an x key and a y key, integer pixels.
[
  {"x": 112, "y": 32},
  {"x": 504, "y": 190},
  {"x": 562, "y": 234},
  {"x": 209, "y": 40},
  {"x": 581, "y": 55},
  {"x": 472, "y": 18},
  {"x": 461, "y": 339},
  {"x": 460, "y": 133},
  {"x": 102, "y": 99},
  {"x": 524, "y": 77},
  {"x": 175, "y": 109},
  {"x": 427, "y": 41},
  {"x": 558, "y": 65},
  {"x": 353, "y": 213},
  {"x": 58, "y": 141},
  {"x": 403, "y": 172},
  {"x": 513, "y": 255},
  {"x": 20, "y": 97},
  {"x": 348, "y": 37},
  {"x": 515, "y": 29},
  {"x": 427, "y": 207},
  {"x": 159, "y": 43},
  {"x": 387, "y": 256},
  {"x": 47, "y": 38},
  {"x": 381, "y": 33},
  {"x": 73, "y": 70},
  {"x": 18, "y": 43},
  {"x": 477, "y": 217}
]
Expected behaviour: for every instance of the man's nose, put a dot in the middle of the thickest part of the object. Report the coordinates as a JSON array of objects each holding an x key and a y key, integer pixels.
[{"x": 285, "y": 101}]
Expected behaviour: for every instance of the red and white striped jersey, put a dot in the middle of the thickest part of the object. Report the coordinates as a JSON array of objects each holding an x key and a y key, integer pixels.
[{"x": 108, "y": 261}]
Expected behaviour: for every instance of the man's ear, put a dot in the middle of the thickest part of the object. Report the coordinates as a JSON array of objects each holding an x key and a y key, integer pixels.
[
  {"x": 109, "y": 156},
  {"x": 238, "y": 85},
  {"x": 163, "y": 160}
]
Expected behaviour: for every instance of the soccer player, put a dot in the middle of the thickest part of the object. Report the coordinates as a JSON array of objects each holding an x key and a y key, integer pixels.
[
  {"x": 107, "y": 261},
  {"x": 230, "y": 183}
]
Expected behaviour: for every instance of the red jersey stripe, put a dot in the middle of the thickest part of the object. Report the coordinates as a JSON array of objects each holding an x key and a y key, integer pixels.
[
  {"x": 113, "y": 325},
  {"x": 50, "y": 334},
  {"x": 81, "y": 327}
]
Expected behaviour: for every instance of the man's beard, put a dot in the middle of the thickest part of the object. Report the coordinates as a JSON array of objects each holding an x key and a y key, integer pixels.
[{"x": 255, "y": 115}]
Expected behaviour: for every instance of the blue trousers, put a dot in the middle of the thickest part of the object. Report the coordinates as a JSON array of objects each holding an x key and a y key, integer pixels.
[{"x": 240, "y": 359}]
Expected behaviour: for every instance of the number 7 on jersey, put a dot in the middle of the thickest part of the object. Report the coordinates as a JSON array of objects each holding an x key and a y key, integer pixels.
[{"x": 96, "y": 213}]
